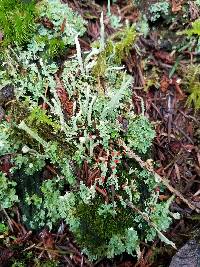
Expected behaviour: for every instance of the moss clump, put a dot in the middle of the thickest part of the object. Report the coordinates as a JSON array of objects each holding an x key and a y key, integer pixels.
[
  {"x": 117, "y": 48},
  {"x": 96, "y": 229},
  {"x": 53, "y": 47},
  {"x": 17, "y": 21},
  {"x": 191, "y": 82}
]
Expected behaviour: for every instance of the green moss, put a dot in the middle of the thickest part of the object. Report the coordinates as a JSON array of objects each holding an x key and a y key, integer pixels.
[
  {"x": 97, "y": 230},
  {"x": 39, "y": 117},
  {"x": 117, "y": 48},
  {"x": 17, "y": 21},
  {"x": 125, "y": 43},
  {"x": 29, "y": 259},
  {"x": 99, "y": 222},
  {"x": 194, "y": 30},
  {"x": 192, "y": 82},
  {"x": 53, "y": 47},
  {"x": 39, "y": 121}
]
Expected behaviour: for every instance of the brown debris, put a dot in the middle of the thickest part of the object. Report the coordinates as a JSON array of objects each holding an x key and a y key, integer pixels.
[
  {"x": 66, "y": 103},
  {"x": 177, "y": 5},
  {"x": 164, "y": 84},
  {"x": 5, "y": 255},
  {"x": 164, "y": 56}
]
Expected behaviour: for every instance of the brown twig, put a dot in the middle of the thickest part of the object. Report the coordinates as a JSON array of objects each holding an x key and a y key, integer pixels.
[
  {"x": 165, "y": 181},
  {"x": 148, "y": 220}
]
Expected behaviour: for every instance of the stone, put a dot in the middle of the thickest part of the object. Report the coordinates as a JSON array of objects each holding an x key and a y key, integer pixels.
[{"x": 187, "y": 256}]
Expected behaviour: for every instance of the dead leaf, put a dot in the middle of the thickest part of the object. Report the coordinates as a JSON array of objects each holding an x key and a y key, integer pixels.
[
  {"x": 163, "y": 197},
  {"x": 176, "y": 83},
  {"x": 177, "y": 171},
  {"x": 63, "y": 25},
  {"x": 23, "y": 239},
  {"x": 47, "y": 23},
  {"x": 177, "y": 5},
  {"x": 193, "y": 10},
  {"x": 67, "y": 104},
  {"x": 164, "y": 84},
  {"x": 175, "y": 146},
  {"x": 48, "y": 242},
  {"x": 189, "y": 147},
  {"x": 190, "y": 129},
  {"x": 164, "y": 56}
]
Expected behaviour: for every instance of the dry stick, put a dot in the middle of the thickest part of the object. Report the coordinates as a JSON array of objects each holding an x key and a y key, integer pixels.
[
  {"x": 165, "y": 181},
  {"x": 147, "y": 219}
]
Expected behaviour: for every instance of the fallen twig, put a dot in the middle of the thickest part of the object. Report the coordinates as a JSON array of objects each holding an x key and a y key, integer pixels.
[
  {"x": 147, "y": 219},
  {"x": 165, "y": 181}
]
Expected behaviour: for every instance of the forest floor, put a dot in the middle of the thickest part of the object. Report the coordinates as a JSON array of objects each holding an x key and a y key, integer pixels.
[{"x": 159, "y": 73}]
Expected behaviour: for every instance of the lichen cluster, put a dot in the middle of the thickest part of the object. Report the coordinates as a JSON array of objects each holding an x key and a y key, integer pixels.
[{"x": 79, "y": 119}]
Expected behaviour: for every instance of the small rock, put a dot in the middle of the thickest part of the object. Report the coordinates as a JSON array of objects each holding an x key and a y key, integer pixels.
[
  {"x": 6, "y": 93},
  {"x": 187, "y": 256}
]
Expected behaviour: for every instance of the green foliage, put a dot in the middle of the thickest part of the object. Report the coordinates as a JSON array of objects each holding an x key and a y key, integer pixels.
[
  {"x": 47, "y": 208},
  {"x": 28, "y": 72},
  {"x": 62, "y": 16},
  {"x": 3, "y": 228},
  {"x": 192, "y": 82},
  {"x": 97, "y": 224},
  {"x": 142, "y": 26},
  {"x": 52, "y": 47},
  {"x": 47, "y": 263},
  {"x": 192, "y": 36},
  {"x": 115, "y": 21},
  {"x": 7, "y": 192},
  {"x": 5, "y": 145},
  {"x": 197, "y": 2},
  {"x": 37, "y": 262},
  {"x": 18, "y": 264},
  {"x": 17, "y": 21},
  {"x": 29, "y": 163},
  {"x": 111, "y": 229},
  {"x": 194, "y": 30},
  {"x": 39, "y": 117},
  {"x": 122, "y": 48},
  {"x": 192, "y": 78},
  {"x": 116, "y": 50}
]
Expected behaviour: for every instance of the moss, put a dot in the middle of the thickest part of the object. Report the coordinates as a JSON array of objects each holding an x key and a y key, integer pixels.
[
  {"x": 123, "y": 47},
  {"x": 53, "y": 47},
  {"x": 39, "y": 121},
  {"x": 117, "y": 48},
  {"x": 192, "y": 82},
  {"x": 17, "y": 21},
  {"x": 29, "y": 258},
  {"x": 95, "y": 230}
]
